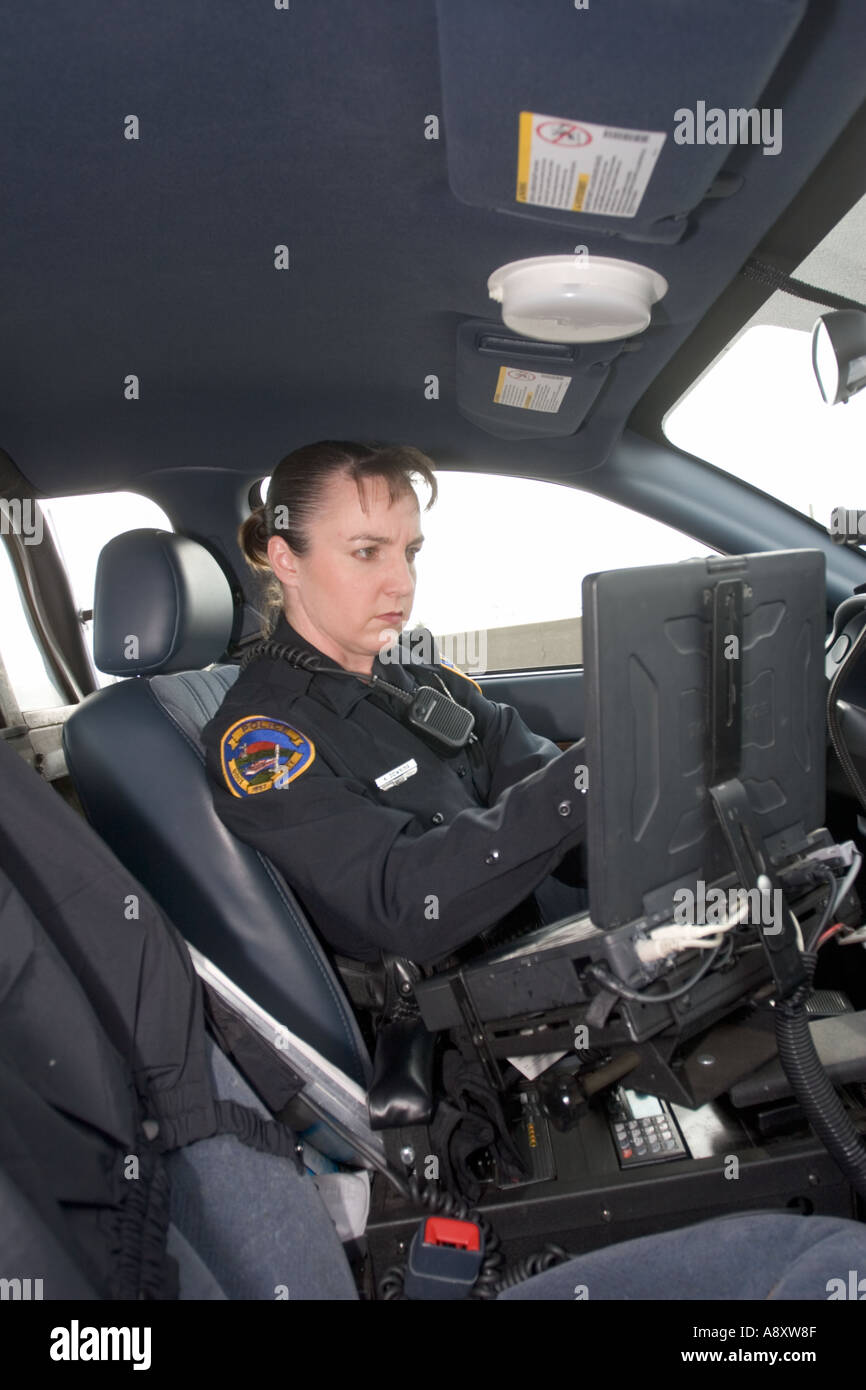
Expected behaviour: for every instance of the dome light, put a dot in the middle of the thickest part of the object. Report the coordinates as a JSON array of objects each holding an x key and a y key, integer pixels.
[{"x": 576, "y": 299}]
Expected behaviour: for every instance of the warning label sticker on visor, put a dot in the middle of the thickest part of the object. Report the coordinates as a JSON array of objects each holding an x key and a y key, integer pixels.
[
  {"x": 530, "y": 390},
  {"x": 577, "y": 166}
]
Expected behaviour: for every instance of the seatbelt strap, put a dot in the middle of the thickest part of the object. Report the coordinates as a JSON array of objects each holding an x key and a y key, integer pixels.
[{"x": 766, "y": 274}]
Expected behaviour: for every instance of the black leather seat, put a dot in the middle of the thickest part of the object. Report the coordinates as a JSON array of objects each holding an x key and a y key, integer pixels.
[{"x": 162, "y": 611}]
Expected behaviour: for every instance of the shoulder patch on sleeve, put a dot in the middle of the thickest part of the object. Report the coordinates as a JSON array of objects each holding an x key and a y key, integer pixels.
[
  {"x": 258, "y": 754},
  {"x": 456, "y": 669}
]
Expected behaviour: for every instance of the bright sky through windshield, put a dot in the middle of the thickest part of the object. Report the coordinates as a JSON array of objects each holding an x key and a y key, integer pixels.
[
  {"x": 500, "y": 551},
  {"x": 758, "y": 413}
]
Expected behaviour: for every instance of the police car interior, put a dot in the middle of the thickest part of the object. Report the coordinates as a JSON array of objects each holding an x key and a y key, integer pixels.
[{"x": 574, "y": 252}]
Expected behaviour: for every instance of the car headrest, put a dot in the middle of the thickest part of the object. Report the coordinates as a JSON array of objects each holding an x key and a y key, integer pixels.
[{"x": 161, "y": 603}]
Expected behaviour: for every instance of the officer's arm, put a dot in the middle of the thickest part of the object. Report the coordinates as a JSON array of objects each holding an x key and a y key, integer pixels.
[
  {"x": 513, "y": 751},
  {"x": 511, "y": 748},
  {"x": 372, "y": 876}
]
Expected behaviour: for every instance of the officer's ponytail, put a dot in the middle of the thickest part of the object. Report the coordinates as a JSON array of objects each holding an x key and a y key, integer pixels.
[
  {"x": 295, "y": 494},
  {"x": 253, "y": 540}
]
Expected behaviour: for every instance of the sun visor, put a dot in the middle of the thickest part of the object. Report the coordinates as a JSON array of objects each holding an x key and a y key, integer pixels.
[
  {"x": 515, "y": 388},
  {"x": 611, "y": 119}
]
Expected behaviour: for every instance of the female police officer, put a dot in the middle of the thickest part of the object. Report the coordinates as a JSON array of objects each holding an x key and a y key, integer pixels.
[
  {"x": 393, "y": 839},
  {"x": 396, "y": 841}
]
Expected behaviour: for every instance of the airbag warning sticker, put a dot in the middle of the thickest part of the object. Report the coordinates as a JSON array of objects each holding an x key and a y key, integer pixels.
[
  {"x": 579, "y": 167},
  {"x": 530, "y": 390}
]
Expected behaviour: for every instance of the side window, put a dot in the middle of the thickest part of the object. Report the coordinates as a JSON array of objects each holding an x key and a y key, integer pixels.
[
  {"x": 81, "y": 526},
  {"x": 500, "y": 574},
  {"x": 499, "y": 577},
  {"x": 32, "y": 683}
]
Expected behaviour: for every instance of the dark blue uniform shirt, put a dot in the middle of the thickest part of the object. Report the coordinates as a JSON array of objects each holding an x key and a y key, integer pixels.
[{"x": 391, "y": 843}]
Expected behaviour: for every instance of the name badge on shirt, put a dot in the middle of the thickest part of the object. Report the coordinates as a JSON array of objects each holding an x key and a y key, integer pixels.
[{"x": 397, "y": 775}]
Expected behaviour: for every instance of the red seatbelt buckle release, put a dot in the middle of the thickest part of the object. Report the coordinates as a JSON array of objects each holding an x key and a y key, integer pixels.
[{"x": 444, "y": 1259}]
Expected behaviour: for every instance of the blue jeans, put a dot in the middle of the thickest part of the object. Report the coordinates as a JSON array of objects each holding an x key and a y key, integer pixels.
[
  {"x": 247, "y": 1225},
  {"x": 759, "y": 1255}
]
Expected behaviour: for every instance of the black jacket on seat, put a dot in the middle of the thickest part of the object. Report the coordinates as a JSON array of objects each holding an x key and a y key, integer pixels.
[{"x": 102, "y": 1056}]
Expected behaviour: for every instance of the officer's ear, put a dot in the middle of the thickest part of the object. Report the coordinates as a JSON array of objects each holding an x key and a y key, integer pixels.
[{"x": 283, "y": 561}]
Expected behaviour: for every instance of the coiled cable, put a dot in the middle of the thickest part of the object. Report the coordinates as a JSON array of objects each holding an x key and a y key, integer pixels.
[
  {"x": 812, "y": 1086},
  {"x": 493, "y": 1278}
]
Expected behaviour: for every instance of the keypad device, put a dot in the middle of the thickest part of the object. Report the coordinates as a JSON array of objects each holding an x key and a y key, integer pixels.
[{"x": 643, "y": 1138}]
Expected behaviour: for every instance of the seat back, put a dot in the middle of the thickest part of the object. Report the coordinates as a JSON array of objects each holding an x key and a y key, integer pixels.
[{"x": 136, "y": 758}]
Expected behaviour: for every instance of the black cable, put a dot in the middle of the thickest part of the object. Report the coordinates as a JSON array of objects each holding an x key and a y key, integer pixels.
[
  {"x": 828, "y": 908},
  {"x": 531, "y": 1265},
  {"x": 492, "y": 1278},
  {"x": 443, "y": 1202},
  {"x": 812, "y": 1086},
  {"x": 309, "y": 661},
  {"x": 600, "y": 972}
]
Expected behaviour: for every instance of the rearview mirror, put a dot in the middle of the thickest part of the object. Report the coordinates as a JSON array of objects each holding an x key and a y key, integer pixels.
[{"x": 839, "y": 354}]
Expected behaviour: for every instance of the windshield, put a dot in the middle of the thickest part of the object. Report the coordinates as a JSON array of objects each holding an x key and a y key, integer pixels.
[{"x": 757, "y": 412}]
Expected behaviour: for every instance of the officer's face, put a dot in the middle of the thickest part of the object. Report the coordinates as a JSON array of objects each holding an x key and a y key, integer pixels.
[{"x": 355, "y": 586}]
